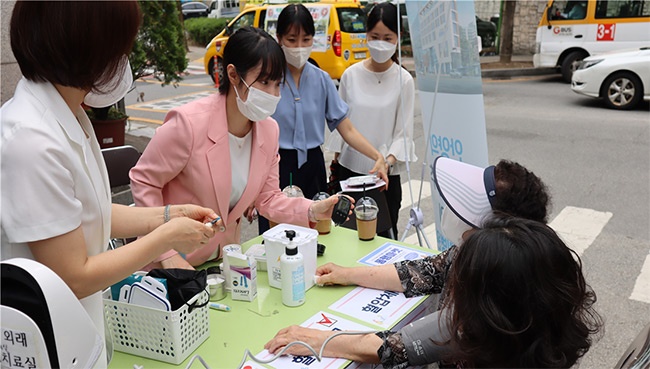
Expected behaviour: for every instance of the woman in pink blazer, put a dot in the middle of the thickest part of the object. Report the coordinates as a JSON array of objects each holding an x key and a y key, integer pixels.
[{"x": 222, "y": 151}]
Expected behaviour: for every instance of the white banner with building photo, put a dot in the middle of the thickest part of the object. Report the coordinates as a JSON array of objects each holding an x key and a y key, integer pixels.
[{"x": 448, "y": 71}]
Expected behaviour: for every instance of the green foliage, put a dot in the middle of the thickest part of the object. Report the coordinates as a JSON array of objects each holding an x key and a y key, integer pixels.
[
  {"x": 108, "y": 113},
  {"x": 159, "y": 49},
  {"x": 202, "y": 30}
]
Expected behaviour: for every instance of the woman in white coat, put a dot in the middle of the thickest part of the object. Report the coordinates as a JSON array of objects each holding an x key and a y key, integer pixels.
[{"x": 56, "y": 200}]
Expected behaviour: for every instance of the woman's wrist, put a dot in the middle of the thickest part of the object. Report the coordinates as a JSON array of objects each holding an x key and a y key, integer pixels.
[{"x": 311, "y": 215}]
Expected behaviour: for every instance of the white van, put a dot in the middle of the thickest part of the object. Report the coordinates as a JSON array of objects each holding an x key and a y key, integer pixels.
[
  {"x": 571, "y": 30},
  {"x": 224, "y": 9}
]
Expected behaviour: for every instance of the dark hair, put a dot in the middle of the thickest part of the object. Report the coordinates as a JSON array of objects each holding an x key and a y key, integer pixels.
[
  {"x": 519, "y": 192},
  {"x": 249, "y": 47},
  {"x": 78, "y": 44},
  {"x": 295, "y": 15},
  {"x": 387, "y": 14},
  {"x": 519, "y": 298}
]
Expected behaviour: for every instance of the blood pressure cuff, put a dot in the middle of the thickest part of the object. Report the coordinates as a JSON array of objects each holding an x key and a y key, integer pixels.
[
  {"x": 425, "y": 339},
  {"x": 183, "y": 285}
]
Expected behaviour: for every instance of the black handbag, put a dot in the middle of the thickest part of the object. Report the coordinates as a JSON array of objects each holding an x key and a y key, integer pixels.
[{"x": 183, "y": 285}]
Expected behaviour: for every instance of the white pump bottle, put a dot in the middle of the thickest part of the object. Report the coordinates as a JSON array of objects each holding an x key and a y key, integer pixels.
[{"x": 292, "y": 271}]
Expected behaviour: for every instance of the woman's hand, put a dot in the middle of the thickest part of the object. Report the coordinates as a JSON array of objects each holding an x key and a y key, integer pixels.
[
  {"x": 331, "y": 274},
  {"x": 176, "y": 262},
  {"x": 381, "y": 169},
  {"x": 323, "y": 209},
  {"x": 285, "y": 336},
  {"x": 198, "y": 213},
  {"x": 185, "y": 235}
]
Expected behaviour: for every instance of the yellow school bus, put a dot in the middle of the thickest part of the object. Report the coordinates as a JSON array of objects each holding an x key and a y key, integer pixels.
[
  {"x": 571, "y": 30},
  {"x": 340, "y": 39}
]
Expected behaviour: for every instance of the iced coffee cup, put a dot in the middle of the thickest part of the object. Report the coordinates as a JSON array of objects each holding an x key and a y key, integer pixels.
[
  {"x": 289, "y": 191},
  {"x": 323, "y": 226},
  {"x": 366, "y": 211}
]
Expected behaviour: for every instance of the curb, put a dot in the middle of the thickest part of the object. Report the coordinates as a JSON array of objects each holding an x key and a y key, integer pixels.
[{"x": 516, "y": 72}]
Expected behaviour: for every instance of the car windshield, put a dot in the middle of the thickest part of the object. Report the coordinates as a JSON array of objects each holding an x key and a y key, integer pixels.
[{"x": 351, "y": 20}]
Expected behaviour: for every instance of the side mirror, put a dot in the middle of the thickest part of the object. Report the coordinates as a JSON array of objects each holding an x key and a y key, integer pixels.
[{"x": 549, "y": 15}]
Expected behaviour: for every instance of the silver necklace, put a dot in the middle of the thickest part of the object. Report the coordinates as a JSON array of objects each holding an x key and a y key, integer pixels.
[{"x": 378, "y": 76}]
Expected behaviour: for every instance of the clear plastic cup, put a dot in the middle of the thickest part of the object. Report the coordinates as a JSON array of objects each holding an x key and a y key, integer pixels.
[
  {"x": 289, "y": 191},
  {"x": 323, "y": 226},
  {"x": 366, "y": 211}
]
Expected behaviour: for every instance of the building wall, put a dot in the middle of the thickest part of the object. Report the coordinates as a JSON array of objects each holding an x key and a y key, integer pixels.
[
  {"x": 527, "y": 16},
  {"x": 9, "y": 71}
]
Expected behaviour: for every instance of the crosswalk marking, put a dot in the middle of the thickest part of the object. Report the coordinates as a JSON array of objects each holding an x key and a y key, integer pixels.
[
  {"x": 579, "y": 227},
  {"x": 641, "y": 291}
]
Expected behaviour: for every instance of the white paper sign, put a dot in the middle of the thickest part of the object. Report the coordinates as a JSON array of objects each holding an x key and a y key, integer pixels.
[
  {"x": 392, "y": 253},
  {"x": 381, "y": 308},
  {"x": 322, "y": 321}
]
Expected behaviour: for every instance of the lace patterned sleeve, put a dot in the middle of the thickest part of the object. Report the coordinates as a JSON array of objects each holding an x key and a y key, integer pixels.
[
  {"x": 427, "y": 275},
  {"x": 392, "y": 353}
]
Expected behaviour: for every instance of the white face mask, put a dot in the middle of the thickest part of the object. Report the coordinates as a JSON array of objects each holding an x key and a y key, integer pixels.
[
  {"x": 259, "y": 105},
  {"x": 113, "y": 91},
  {"x": 297, "y": 56},
  {"x": 381, "y": 51},
  {"x": 453, "y": 227}
]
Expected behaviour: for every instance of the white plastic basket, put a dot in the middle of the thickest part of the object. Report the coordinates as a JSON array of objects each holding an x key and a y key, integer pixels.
[{"x": 169, "y": 336}]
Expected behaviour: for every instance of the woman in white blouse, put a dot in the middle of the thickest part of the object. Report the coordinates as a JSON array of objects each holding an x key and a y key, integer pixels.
[{"x": 380, "y": 94}]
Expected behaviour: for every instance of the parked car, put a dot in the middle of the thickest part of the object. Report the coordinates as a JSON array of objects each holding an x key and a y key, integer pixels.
[
  {"x": 620, "y": 79},
  {"x": 488, "y": 32},
  {"x": 340, "y": 39},
  {"x": 194, "y": 9},
  {"x": 224, "y": 8}
]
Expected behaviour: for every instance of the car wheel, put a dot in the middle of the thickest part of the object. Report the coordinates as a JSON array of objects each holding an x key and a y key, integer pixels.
[
  {"x": 488, "y": 40},
  {"x": 622, "y": 91},
  {"x": 570, "y": 64}
]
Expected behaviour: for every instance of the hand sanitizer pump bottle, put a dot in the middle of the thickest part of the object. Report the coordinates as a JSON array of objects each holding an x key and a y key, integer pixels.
[{"x": 292, "y": 271}]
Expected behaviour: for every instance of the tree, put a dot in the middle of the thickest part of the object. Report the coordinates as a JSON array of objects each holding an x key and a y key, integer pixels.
[
  {"x": 507, "y": 25},
  {"x": 160, "y": 49}
]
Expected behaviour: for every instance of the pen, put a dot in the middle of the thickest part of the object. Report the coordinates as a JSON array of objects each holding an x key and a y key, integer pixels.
[
  {"x": 218, "y": 306},
  {"x": 212, "y": 222}
]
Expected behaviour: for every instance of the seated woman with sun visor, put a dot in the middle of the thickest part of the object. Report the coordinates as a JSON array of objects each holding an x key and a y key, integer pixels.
[{"x": 470, "y": 194}]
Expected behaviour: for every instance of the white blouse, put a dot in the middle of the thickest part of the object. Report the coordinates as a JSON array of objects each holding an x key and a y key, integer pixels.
[
  {"x": 376, "y": 101},
  {"x": 240, "y": 158}
]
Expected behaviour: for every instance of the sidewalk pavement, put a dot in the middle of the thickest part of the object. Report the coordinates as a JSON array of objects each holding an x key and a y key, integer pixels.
[{"x": 523, "y": 65}]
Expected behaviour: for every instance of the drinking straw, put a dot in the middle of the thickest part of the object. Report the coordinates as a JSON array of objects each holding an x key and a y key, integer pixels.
[
  {"x": 364, "y": 197},
  {"x": 291, "y": 179}
]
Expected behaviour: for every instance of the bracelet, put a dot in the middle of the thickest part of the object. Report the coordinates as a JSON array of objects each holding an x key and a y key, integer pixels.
[{"x": 166, "y": 213}]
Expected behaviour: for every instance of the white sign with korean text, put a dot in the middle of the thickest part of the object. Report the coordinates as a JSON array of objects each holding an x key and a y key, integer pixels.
[
  {"x": 381, "y": 308},
  {"x": 322, "y": 321},
  {"x": 392, "y": 253}
]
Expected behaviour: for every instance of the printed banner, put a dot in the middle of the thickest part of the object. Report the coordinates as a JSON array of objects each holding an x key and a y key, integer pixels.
[{"x": 445, "y": 50}]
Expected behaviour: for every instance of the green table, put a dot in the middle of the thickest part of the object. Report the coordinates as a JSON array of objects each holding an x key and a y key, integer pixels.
[{"x": 252, "y": 324}]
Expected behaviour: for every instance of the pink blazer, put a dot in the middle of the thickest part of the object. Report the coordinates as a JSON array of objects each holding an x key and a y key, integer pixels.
[{"x": 188, "y": 161}]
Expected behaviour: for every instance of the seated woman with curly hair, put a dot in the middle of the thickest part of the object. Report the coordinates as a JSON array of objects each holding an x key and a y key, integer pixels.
[{"x": 517, "y": 298}]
